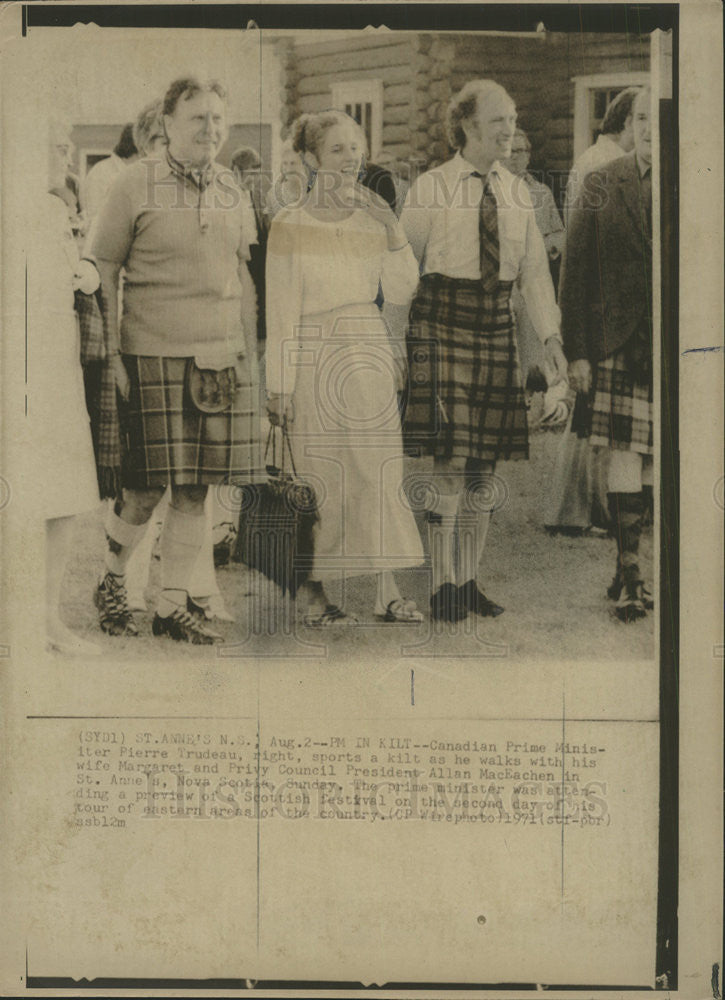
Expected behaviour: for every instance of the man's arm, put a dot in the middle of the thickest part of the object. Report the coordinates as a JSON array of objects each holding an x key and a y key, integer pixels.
[{"x": 249, "y": 304}]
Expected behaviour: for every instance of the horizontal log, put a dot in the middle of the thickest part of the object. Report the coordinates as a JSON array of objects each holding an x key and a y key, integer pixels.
[
  {"x": 351, "y": 43},
  {"x": 391, "y": 75},
  {"x": 391, "y": 55},
  {"x": 395, "y": 133}
]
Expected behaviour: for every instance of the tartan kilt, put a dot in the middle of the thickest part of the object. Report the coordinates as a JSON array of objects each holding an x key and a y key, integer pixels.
[
  {"x": 169, "y": 441},
  {"x": 465, "y": 395},
  {"x": 622, "y": 408}
]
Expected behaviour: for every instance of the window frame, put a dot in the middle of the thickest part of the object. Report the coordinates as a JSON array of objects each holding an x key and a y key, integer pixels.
[
  {"x": 583, "y": 87},
  {"x": 368, "y": 91}
]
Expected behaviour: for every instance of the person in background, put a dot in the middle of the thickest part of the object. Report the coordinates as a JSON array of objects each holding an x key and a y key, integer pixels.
[
  {"x": 472, "y": 227},
  {"x": 400, "y": 173},
  {"x": 380, "y": 180},
  {"x": 615, "y": 139},
  {"x": 64, "y": 448},
  {"x": 326, "y": 260},
  {"x": 577, "y": 498},
  {"x": 291, "y": 185},
  {"x": 99, "y": 178},
  {"x": 531, "y": 350},
  {"x": 606, "y": 304},
  {"x": 247, "y": 168},
  {"x": 190, "y": 403}
]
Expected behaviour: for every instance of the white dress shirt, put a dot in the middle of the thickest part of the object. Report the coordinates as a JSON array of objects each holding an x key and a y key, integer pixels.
[
  {"x": 441, "y": 220},
  {"x": 603, "y": 150}
]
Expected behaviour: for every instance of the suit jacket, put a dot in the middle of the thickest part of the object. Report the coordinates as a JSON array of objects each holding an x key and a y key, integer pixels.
[{"x": 605, "y": 294}]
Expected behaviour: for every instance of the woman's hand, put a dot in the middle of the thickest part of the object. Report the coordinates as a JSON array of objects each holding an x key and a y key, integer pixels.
[
  {"x": 280, "y": 410},
  {"x": 120, "y": 376},
  {"x": 358, "y": 196}
]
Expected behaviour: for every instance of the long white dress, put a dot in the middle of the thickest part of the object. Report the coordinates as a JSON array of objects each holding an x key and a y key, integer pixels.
[
  {"x": 328, "y": 346},
  {"x": 57, "y": 405}
]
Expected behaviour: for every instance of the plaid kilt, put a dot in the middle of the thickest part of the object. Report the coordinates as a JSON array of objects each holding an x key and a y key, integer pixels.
[
  {"x": 622, "y": 408},
  {"x": 167, "y": 440},
  {"x": 465, "y": 396},
  {"x": 93, "y": 335}
]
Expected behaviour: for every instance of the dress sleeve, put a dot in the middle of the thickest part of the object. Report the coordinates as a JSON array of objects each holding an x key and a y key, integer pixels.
[
  {"x": 416, "y": 217},
  {"x": 399, "y": 276},
  {"x": 284, "y": 285}
]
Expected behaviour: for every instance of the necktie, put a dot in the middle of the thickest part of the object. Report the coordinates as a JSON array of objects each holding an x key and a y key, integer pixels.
[{"x": 488, "y": 237}]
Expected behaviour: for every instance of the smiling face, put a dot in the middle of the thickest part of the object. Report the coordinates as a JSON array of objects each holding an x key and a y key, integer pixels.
[
  {"x": 490, "y": 131},
  {"x": 341, "y": 150},
  {"x": 641, "y": 126},
  {"x": 518, "y": 162},
  {"x": 197, "y": 129}
]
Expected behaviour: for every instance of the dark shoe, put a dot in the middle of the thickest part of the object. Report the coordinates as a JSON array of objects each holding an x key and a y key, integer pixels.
[
  {"x": 614, "y": 590},
  {"x": 646, "y": 597},
  {"x": 183, "y": 627},
  {"x": 630, "y": 605},
  {"x": 445, "y": 606},
  {"x": 474, "y": 600},
  {"x": 202, "y": 615},
  {"x": 112, "y": 602}
]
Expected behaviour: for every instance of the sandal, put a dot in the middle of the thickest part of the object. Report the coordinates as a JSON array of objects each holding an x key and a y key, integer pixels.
[
  {"x": 331, "y": 616},
  {"x": 402, "y": 611}
]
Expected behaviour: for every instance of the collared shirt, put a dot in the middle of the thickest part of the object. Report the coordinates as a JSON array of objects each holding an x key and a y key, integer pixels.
[
  {"x": 180, "y": 240},
  {"x": 603, "y": 151},
  {"x": 440, "y": 218}
]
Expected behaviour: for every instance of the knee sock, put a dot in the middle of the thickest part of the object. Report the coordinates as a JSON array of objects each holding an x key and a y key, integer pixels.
[
  {"x": 626, "y": 513},
  {"x": 441, "y": 538},
  {"x": 472, "y": 528},
  {"x": 181, "y": 539},
  {"x": 121, "y": 539}
]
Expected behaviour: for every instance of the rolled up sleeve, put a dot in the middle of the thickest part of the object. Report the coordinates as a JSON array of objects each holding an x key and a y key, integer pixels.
[{"x": 536, "y": 285}]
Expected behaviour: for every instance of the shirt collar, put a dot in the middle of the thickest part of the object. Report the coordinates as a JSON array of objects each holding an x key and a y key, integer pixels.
[
  {"x": 199, "y": 178},
  {"x": 645, "y": 169},
  {"x": 464, "y": 169}
]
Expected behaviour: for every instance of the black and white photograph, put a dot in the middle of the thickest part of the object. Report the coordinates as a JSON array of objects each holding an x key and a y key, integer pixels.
[{"x": 360, "y": 371}]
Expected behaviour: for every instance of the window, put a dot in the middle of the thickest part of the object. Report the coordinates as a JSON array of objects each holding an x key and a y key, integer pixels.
[
  {"x": 363, "y": 100},
  {"x": 591, "y": 97}
]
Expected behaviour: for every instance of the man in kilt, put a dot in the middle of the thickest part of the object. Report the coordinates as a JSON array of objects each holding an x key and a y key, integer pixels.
[
  {"x": 472, "y": 226},
  {"x": 606, "y": 303},
  {"x": 189, "y": 410}
]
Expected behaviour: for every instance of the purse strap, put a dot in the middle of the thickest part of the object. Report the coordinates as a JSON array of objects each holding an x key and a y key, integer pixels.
[{"x": 272, "y": 441}]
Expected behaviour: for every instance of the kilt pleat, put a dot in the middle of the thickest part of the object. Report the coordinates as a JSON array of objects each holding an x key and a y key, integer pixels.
[
  {"x": 169, "y": 441},
  {"x": 622, "y": 408},
  {"x": 465, "y": 396}
]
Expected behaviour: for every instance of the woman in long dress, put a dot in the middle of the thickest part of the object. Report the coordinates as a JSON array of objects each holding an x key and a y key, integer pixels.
[
  {"x": 331, "y": 370},
  {"x": 58, "y": 401}
]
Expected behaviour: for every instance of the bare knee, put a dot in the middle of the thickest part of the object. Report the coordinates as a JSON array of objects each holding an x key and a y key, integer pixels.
[
  {"x": 138, "y": 505},
  {"x": 189, "y": 499}
]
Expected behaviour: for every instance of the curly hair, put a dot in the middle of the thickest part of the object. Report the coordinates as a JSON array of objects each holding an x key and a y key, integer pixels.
[
  {"x": 464, "y": 105},
  {"x": 188, "y": 87},
  {"x": 308, "y": 130}
]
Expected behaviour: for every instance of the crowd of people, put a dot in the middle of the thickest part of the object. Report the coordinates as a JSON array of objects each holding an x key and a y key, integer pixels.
[{"x": 392, "y": 325}]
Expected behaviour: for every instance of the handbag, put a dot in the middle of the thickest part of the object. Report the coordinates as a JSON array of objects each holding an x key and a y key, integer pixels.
[{"x": 276, "y": 520}]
